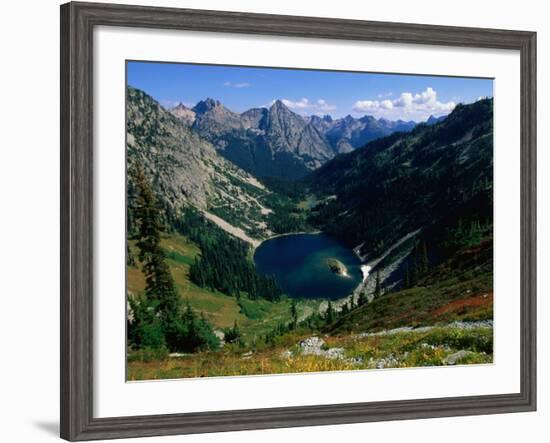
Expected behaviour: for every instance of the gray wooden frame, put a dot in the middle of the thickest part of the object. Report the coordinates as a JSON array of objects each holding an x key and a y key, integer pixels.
[{"x": 77, "y": 23}]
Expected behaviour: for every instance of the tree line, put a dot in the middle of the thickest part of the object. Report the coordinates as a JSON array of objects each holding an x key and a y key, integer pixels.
[{"x": 224, "y": 262}]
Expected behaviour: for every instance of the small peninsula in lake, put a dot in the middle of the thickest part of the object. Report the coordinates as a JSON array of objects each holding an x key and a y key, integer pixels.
[{"x": 337, "y": 267}]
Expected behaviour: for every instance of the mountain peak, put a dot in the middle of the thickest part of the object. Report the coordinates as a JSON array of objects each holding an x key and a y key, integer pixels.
[
  {"x": 320, "y": 118},
  {"x": 206, "y": 105},
  {"x": 279, "y": 105},
  {"x": 370, "y": 118},
  {"x": 348, "y": 118},
  {"x": 184, "y": 113},
  {"x": 181, "y": 107}
]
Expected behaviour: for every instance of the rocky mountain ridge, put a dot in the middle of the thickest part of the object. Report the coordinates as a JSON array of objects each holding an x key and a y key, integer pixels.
[
  {"x": 407, "y": 181},
  {"x": 277, "y": 142},
  {"x": 185, "y": 169}
]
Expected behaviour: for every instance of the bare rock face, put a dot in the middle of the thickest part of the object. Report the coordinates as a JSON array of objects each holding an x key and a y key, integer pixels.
[
  {"x": 185, "y": 114},
  {"x": 214, "y": 119},
  {"x": 175, "y": 158},
  {"x": 322, "y": 124},
  {"x": 254, "y": 119},
  {"x": 265, "y": 142},
  {"x": 288, "y": 132}
]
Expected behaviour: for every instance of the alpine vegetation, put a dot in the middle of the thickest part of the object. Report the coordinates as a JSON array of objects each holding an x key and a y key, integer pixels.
[{"x": 348, "y": 227}]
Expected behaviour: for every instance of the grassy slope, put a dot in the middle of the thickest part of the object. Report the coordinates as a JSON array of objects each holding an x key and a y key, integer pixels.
[
  {"x": 222, "y": 310},
  {"x": 465, "y": 295},
  {"x": 406, "y": 349},
  {"x": 458, "y": 289}
]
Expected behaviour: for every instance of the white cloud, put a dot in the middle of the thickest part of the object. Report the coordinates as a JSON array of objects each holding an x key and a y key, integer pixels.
[
  {"x": 300, "y": 104},
  {"x": 324, "y": 106},
  {"x": 415, "y": 106},
  {"x": 306, "y": 107},
  {"x": 237, "y": 85}
]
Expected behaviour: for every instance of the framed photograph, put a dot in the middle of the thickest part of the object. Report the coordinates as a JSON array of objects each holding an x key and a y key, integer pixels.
[{"x": 272, "y": 221}]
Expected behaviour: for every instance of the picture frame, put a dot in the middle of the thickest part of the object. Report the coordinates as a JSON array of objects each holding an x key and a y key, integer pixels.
[{"x": 78, "y": 21}]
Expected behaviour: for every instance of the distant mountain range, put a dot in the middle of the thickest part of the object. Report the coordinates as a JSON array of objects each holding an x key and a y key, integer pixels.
[
  {"x": 348, "y": 133},
  {"x": 277, "y": 142}
]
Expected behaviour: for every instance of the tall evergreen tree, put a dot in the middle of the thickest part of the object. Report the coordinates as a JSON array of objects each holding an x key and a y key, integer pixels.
[
  {"x": 345, "y": 309},
  {"x": 159, "y": 284},
  {"x": 413, "y": 270},
  {"x": 377, "y": 285},
  {"x": 361, "y": 299},
  {"x": 424, "y": 262},
  {"x": 294, "y": 313},
  {"x": 160, "y": 289},
  {"x": 233, "y": 335},
  {"x": 330, "y": 314},
  {"x": 162, "y": 306},
  {"x": 407, "y": 279}
]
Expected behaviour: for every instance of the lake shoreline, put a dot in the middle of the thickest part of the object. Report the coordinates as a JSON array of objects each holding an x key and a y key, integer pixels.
[
  {"x": 286, "y": 234},
  {"x": 307, "y": 271}
]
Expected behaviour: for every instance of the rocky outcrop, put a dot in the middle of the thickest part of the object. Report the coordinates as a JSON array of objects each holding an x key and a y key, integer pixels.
[
  {"x": 316, "y": 346},
  {"x": 457, "y": 357},
  {"x": 286, "y": 131},
  {"x": 213, "y": 119},
  {"x": 254, "y": 119},
  {"x": 185, "y": 114}
]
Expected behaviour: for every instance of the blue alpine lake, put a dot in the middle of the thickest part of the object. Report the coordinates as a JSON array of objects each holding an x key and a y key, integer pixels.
[{"x": 299, "y": 263}]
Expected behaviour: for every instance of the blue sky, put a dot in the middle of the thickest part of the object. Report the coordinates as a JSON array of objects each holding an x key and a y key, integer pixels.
[{"x": 407, "y": 97}]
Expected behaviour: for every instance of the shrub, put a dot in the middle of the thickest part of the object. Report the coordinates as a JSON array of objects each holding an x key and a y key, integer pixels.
[
  {"x": 145, "y": 327},
  {"x": 194, "y": 333},
  {"x": 233, "y": 335}
]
